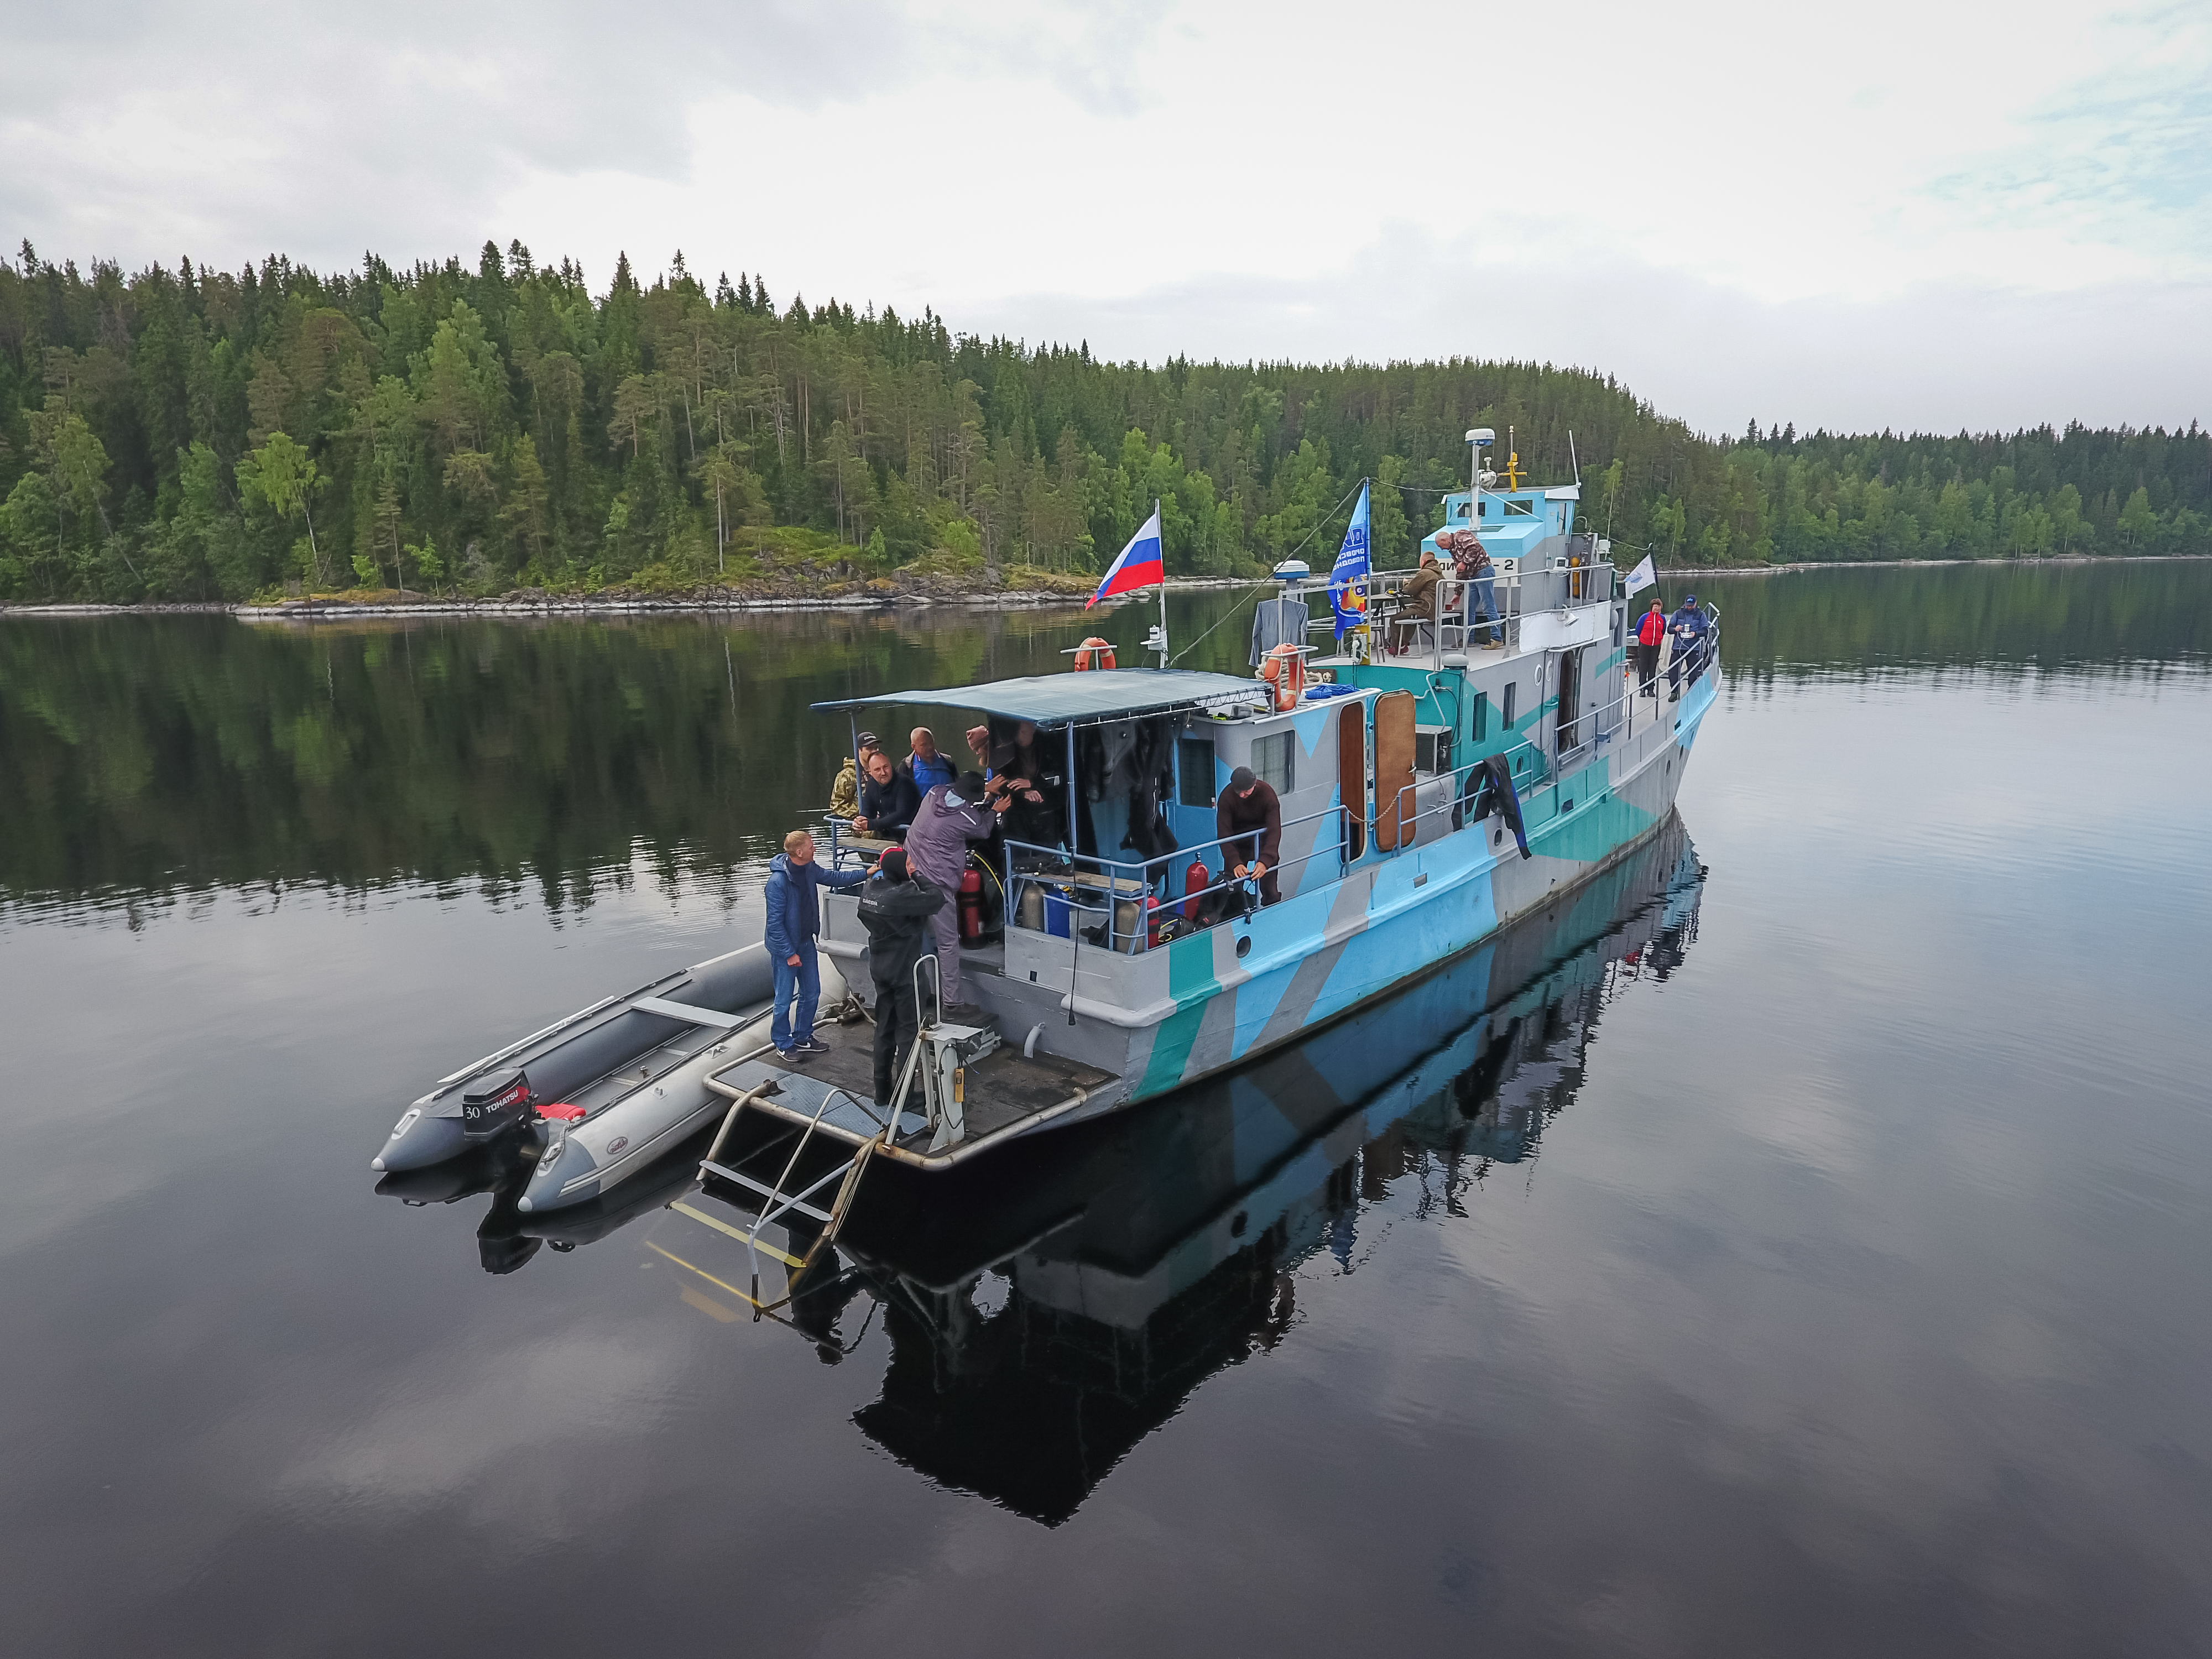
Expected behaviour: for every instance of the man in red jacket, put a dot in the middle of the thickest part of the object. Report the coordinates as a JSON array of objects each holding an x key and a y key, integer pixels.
[{"x": 1650, "y": 634}]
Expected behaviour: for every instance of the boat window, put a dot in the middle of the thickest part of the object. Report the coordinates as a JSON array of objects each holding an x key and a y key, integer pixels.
[
  {"x": 1194, "y": 771},
  {"x": 1271, "y": 760},
  {"x": 1506, "y": 708},
  {"x": 1481, "y": 715},
  {"x": 1520, "y": 509}
]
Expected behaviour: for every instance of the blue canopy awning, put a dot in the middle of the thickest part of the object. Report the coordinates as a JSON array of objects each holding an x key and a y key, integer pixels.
[{"x": 1057, "y": 699}]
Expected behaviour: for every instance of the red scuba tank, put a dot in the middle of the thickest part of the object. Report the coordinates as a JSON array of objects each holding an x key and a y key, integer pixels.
[
  {"x": 1194, "y": 880},
  {"x": 971, "y": 906}
]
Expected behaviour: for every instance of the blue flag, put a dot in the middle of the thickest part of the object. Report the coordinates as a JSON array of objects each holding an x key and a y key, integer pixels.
[{"x": 1347, "y": 578}]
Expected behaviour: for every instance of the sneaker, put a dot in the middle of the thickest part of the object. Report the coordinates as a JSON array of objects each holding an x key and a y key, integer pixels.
[
  {"x": 790, "y": 1056},
  {"x": 811, "y": 1046}
]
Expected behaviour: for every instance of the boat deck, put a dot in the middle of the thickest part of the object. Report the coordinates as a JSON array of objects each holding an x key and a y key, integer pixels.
[{"x": 1005, "y": 1094}]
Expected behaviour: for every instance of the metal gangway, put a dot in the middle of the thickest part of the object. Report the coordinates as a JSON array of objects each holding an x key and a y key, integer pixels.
[{"x": 929, "y": 1096}]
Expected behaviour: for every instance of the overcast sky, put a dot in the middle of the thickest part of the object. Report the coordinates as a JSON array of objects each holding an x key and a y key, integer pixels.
[{"x": 1923, "y": 214}]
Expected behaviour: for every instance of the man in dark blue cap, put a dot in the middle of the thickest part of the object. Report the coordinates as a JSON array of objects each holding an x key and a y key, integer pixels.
[{"x": 1688, "y": 625}]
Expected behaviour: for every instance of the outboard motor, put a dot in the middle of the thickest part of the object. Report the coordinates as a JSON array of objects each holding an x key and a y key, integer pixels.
[{"x": 493, "y": 1103}]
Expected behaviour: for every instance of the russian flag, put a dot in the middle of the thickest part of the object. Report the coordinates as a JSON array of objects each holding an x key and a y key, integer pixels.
[{"x": 1139, "y": 566}]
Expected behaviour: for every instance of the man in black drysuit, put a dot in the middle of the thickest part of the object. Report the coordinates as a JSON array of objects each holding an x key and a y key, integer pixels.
[{"x": 895, "y": 906}]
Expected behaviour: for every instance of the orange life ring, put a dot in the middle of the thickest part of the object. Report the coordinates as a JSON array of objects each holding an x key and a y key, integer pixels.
[
  {"x": 1285, "y": 668},
  {"x": 1094, "y": 653}
]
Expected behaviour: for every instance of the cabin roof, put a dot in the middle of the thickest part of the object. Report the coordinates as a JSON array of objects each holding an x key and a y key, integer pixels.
[{"x": 1056, "y": 699}]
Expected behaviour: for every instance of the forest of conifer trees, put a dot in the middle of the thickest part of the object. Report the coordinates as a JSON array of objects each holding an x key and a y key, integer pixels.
[{"x": 197, "y": 434}]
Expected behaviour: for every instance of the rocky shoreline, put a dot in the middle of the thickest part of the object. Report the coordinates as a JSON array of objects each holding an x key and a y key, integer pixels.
[{"x": 907, "y": 593}]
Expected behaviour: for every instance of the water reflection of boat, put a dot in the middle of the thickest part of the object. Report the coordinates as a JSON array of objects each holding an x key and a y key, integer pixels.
[{"x": 1096, "y": 1277}]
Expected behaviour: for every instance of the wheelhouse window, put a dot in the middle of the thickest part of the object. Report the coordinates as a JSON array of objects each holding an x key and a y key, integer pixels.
[
  {"x": 1506, "y": 707},
  {"x": 1194, "y": 771},
  {"x": 1271, "y": 760}
]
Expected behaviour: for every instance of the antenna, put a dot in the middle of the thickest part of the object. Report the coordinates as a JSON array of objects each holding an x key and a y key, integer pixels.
[{"x": 1574, "y": 458}]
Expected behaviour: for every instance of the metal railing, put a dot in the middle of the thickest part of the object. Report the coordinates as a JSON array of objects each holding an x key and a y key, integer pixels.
[
  {"x": 1058, "y": 868},
  {"x": 1569, "y": 582}
]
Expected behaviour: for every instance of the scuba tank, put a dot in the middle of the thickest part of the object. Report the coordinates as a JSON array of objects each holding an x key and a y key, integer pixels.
[
  {"x": 971, "y": 906},
  {"x": 1194, "y": 880}
]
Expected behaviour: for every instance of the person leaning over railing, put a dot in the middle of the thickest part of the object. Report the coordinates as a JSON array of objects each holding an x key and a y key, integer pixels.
[
  {"x": 1249, "y": 812},
  {"x": 1472, "y": 566}
]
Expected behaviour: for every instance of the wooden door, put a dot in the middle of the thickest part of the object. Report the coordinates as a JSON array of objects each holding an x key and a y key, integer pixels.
[{"x": 1393, "y": 770}]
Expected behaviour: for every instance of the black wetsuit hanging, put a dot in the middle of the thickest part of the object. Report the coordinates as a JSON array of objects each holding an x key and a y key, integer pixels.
[{"x": 1490, "y": 789}]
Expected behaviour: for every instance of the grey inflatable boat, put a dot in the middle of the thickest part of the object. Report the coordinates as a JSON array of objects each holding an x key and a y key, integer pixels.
[{"x": 611, "y": 1087}]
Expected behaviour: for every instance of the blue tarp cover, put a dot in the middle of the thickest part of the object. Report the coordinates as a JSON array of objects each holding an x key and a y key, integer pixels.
[{"x": 1055, "y": 699}]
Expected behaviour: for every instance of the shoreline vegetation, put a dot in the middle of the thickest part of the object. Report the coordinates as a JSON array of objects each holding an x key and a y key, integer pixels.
[
  {"x": 1020, "y": 592},
  {"x": 506, "y": 437}
]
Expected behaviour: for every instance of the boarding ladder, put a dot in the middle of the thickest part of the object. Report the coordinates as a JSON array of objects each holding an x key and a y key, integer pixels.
[{"x": 934, "y": 1063}]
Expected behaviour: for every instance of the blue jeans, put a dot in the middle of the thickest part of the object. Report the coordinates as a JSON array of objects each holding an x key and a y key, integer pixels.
[
  {"x": 789, "y": 1025},
  {"x": 1486, "y": 595}
]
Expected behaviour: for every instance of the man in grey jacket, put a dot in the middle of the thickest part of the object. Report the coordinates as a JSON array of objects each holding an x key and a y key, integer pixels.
[{"x": 953, "y": 815}]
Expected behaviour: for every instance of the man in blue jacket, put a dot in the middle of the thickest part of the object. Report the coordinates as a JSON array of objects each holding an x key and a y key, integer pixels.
[
  {"x": 794, "y": 919},
  {"x": 1688, "y": 626},
  {"x": 924, "y": 764}
]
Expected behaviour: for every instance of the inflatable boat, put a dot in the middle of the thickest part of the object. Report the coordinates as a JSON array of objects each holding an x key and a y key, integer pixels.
[{"x": 609, "y": 1089}]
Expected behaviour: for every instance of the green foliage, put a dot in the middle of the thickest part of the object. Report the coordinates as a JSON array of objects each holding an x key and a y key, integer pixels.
[{"x": 172, "y": 434}]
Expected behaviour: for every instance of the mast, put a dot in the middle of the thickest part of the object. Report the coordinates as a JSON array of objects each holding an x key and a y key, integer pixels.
[{"x": 1163, "y": 583}]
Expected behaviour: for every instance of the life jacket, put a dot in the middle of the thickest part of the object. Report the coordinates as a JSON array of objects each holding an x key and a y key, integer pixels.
[
  {"x": 1285, "y": 669},
  {"x": 1094, "y": 653}
]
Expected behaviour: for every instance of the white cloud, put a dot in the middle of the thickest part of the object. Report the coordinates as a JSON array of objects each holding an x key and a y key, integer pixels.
[{"x": 1870, "y": 219}]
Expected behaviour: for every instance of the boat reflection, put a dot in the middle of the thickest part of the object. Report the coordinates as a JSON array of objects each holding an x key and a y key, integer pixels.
[{"x": 1163, "y": 1246}]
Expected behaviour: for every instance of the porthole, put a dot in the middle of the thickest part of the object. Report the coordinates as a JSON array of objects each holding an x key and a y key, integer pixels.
[{"x": 1243, "y": 946}]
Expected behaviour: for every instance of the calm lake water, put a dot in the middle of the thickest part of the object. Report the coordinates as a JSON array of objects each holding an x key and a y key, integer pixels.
[{"x": 1802, "y": 1249}]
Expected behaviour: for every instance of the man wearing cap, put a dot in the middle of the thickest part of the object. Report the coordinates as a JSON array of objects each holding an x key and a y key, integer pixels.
[
  {"x": 1417, "y": 602},
  {"x": 845, "y": 793},
  {"x": 953, "y": 815},
  {"x": 895, "y": 907},
  {"x": 1250, "y": 810},
  {"x": 1688, "y": 626}
]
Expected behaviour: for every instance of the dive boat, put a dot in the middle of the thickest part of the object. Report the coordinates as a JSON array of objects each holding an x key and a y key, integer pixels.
[
  {"x": 1439, "y": 776},
  {"x": 1411, "y": 763}
]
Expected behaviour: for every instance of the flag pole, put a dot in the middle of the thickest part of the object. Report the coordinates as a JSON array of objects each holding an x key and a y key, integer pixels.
[{"x": 1163, "y": 583}]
